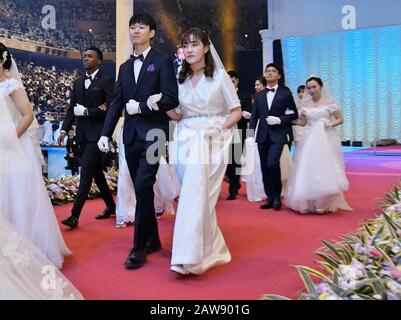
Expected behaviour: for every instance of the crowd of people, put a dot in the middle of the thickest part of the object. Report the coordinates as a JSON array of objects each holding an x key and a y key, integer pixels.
[
  {"x": 47, "y": 87},
  {"x": 22, "y": 20}
]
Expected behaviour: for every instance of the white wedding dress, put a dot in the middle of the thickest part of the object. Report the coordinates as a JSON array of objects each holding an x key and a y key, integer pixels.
[
  {"x": 201, "y": 162},
  {"x": 166, "y": 189},
  {"x": 318, "y": 179},
  {"x": 24, "y": 201},
  {"x": 26, "y": 274},
  {"x": 251, "y": 171}
]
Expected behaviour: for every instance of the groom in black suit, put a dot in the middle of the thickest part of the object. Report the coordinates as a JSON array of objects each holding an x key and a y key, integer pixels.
[
  {"x": 139, "y": 83},
  {"x": 90, "y": 98},
  {"x": 274, "y": 108}
]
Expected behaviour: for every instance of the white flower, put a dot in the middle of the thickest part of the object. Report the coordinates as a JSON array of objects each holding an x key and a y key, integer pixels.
[{"x": 5, "y": 54}]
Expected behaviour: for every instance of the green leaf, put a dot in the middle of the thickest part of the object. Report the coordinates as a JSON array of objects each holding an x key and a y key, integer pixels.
[
  {"x": 273, "y": 297},
  {"x": 332, "y": 249},
  {"x": 314, "y": 273},
  {"x": 335, "y": 263},
  {"x": 377, "y": 235},
  {"x": 308, "y": 283}
]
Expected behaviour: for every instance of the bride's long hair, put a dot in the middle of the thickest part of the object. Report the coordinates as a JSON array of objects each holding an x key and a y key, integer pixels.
[{"x": 186, "y": 70}]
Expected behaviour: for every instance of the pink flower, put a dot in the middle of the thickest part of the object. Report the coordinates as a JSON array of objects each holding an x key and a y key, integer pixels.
[{"x": 374, "y": 253}]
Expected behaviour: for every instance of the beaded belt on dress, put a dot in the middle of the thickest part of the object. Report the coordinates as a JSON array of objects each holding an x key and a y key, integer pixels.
[{"x": 204, "y": 115}]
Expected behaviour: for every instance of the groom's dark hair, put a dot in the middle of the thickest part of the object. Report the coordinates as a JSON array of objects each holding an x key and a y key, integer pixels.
[
  {"x": 97, "y": 50},
  {"x": 144, "y": 18},
  {"x": 275, "y": 66}
]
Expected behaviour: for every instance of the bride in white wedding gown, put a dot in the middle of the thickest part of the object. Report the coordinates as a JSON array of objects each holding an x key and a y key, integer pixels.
[
  {"x": 24, "y": 201},
  {"x": 318, "y": 179},
  {"x": 210, "y": 108}
]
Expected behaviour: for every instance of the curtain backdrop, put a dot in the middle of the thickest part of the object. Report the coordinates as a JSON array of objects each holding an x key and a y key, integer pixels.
[{"x": 362, "y": 68}]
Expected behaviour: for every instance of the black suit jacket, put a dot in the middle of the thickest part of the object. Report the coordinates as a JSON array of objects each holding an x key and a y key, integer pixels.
[
  {"x": 246, "y": 105},
  {"x": 99, "y": 92},
  {"x": 282, "y": 102},
  {"x": 157, "y": 76}
]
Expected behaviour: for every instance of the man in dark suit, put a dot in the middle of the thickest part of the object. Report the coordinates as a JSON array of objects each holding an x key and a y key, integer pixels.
[
  {"x": 72, "y": 152},
  {"x": 274, "y": 108},
  {"x": 141, "y": 79},
  {"x": 90, "y": 99},
  {"x": 236, "y": 147}
]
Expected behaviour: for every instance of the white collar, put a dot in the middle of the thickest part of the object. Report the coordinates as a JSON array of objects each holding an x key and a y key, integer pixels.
[
  {"x": 93, "y": 75},
  {"x": 275, "y": 87},
  {"x": 145, "y": 53}
]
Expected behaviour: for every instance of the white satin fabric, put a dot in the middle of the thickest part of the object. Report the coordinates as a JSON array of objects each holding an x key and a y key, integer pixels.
[
  {"x": 201, "y": 155},
  {"x": 198, "y": 243},
  {"x": 24, "y": 199},
  {"x": 318, "y": 179}
]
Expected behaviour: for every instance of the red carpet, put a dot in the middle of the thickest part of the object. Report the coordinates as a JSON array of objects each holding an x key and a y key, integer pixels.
[{"x": 264, "y": 245}]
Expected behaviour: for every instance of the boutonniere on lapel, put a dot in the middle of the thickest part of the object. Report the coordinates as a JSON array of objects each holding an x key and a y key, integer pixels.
[{"x": 151, "y": 68}]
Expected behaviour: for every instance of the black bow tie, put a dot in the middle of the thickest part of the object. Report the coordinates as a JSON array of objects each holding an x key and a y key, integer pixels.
[
  {"x": 271, "y": 90},
  {"x": 140, "y": 57},
  {"x": 88, "y": 78}
]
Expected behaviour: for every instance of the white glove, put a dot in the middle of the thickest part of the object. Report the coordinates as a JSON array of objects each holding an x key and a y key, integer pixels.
[
  {"x": 213, "y": 130},
  {"x": 327, "y": 123},
  {"x": 79, "y": 110},
  {"x": 103, "y": 144},
  {"x": 273, "y": 121},
  {"x": 153, "y": 100},
  {"x": 247, "y": 115},
  {"x": 132, "y": 107}
]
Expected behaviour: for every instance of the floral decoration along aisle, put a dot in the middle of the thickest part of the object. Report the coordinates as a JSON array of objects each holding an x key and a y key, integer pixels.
[{"x": 366, "y": 265}]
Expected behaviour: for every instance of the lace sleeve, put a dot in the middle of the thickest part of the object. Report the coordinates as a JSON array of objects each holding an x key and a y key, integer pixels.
[{"x": 12, "y": 85}]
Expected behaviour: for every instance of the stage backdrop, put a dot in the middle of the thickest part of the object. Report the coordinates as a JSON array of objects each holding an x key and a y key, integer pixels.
[{"x": 363, "y": 69}]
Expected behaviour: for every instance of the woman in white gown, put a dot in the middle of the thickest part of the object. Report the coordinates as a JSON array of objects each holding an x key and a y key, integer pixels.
[
  {"x": 210, "y": 108},
  {"x": 251, "y": 171},
  {"x": 318, "y": 179},
  {"x": 24, "y": 201}
]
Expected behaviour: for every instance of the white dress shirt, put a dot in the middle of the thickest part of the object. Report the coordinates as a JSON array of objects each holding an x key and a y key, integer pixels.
[
  {"x": 87, "y": 81},
  {"x": 270, "y": 95},
  {"x": 138, "y": 63}
]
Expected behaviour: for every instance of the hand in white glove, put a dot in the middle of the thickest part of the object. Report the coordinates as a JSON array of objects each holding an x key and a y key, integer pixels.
[
  {"x": 153, "y": 100},
  {"x": 214, "y": 130},
  {"x": 132, "y": 107},
  {"x": 247, "y": 115},
  {"x": 103, "y": 144},
  {"x": 79, "y": 110},
  {"x": 273, "y": 121},
  {"x": 249, "y": 140},
  {"x": 327, "y": 124}
]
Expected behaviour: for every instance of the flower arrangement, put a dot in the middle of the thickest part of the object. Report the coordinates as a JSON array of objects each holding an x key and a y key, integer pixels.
[
  {"x": 365, "y": 265},
  {"x": 63, "y": 190}
]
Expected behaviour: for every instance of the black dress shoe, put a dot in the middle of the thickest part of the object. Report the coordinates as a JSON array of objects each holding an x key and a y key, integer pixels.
[
  {"x": 159, "y": 214},
  {"x": 153, "y": 247},
  {"x": 267, "y": 205},
  {"x": 135, "y": 260},
  {"x": 232, "y": 196},
  {"x": 71, "y": 222},
  {"x": 107, "y": 213},
  {"x": 277, "y": 205}
]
